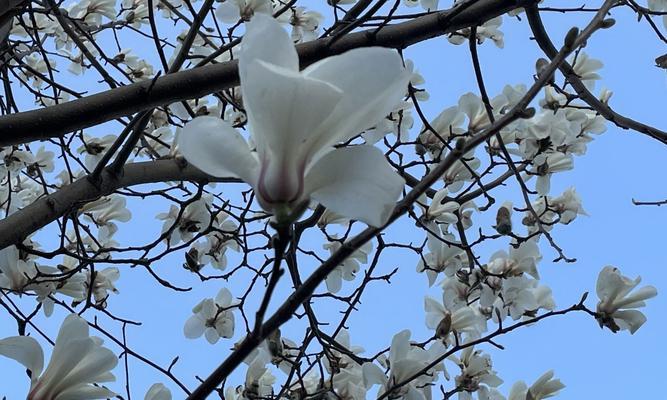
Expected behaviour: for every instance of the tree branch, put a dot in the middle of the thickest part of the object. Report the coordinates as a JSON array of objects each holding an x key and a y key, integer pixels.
[
  {"x": 17, "y": 226},
  {"x": 197, "y": 82}
]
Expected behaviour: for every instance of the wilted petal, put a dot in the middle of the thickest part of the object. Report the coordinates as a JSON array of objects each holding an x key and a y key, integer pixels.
[
  {"x": 213, "y": 146},
  {"x": 357, "y": 182}
]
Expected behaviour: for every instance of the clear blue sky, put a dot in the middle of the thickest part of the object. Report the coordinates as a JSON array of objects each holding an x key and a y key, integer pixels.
[{"x": 620, "y": 165}]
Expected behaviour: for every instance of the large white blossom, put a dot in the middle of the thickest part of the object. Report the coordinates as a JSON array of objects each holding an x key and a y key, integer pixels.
[
  {"x": 78, "y": 363},
  {"x": 296, "y": 118}
]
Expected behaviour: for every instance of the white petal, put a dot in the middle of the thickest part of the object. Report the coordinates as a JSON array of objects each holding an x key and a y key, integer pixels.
[
  {"x": 194, "y": 327},
  {"x": 629, "y": 319},
  {"x": 284, "y": 107},
  {"x": 228, "y": 12},
  {"x": 224, "y": 298},
  {"x": 25, "y": 350},
  {"x": 98, "y": 362},
  {"x": 373, "y": 81},
  {"x": 334, "y": 281},
  {"x": 158, "y": 392},
  {"x": 216, "y": 148},
  {"x": 356, "y": 182},
  {"x": 86, "y": 392},
  {"x": 266, "y": 40},
  {"x": 211, "y": 335},
  {"x": 373, "y": 375}
]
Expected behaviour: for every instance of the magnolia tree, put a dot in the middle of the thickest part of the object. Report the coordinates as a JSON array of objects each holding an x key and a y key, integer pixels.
[{"x": 263, "y": 150}]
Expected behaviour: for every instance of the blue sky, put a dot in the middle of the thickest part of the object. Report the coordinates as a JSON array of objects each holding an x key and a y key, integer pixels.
[{"x": 619, "y": 166}]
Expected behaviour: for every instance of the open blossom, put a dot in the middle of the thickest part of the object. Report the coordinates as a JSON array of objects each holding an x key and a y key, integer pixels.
[
  {"x": 296, "y": 118},
  {"x": 544, "y": 387},
  {"x": 445, "y": 322},
  {"x": 476, "y": 372},
  {"x": 406, "y": 360},
  {"x": 231, "y": 11},
  {"x": 444, "y": 256},
  {"x": 348, "y": 269},
  {"x": 586, "y": 67},
  {"x": 616, "y": 307},
  {"x": 212, "y": 318},
  {"x": 78, "y": 363}
]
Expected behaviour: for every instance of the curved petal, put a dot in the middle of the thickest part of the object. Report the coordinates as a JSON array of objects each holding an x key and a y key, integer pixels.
[
  {"x": 26, "y": 351},
  {"x": 228, "y": 12},
  {"x": 356, "y": 182},
  {"x": 211, "y": 335},
  {"x": 96, "y": 363},
  {"x": 194, "y": 327},
  {"x": 284, "y": 110},
  {"x": 85, "y": 392},
  {"x": 373, "y": 81},
  {"x": 266, "y": 40},
  {"x": 158, "y": 392},
  {"x": 213, "y": 146},
  {"x": 223, "y": 298}
]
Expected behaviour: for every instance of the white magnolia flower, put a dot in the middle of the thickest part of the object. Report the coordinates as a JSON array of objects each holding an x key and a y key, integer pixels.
[
  {"x": 446, "y": 124},
  {"x": 78, "y": 363},
  {"x": 442, "y": 257},
  {"x": 158, "y": 391},
  {"x": 428, "y": 5},
  {"x": 616, "y": 307},
  {"x": 212, "y": 318},
  {"x": 296, "y": 118},
  {"x": 488, "y": 30},
  {"x": 194, "y": 218},
  {"x": 305, "y": 24},
  {"x": 348, "y": 269},
  {"x": 95, "y": 148},
  {"x": 406, "y": 360},
  {"x": 439, "y": 210},
  {"x": 476, "y": 371},
  {"x": 586, "y": 67},
  {"x": 544, "y": 387},
  {"x": 519, "y": 260},
  {"x": 103, "y": 283},
  {"x": 545, "y": 165},
  {"x": 231, "y": 11},
  {"x": 446, "y": 322}
]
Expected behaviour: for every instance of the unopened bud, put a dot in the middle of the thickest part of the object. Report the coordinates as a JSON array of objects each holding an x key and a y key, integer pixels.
[
  {"x": 607, "y": 23},
  {"x": 528, "y": 113},
  {"x": 571, "y": 37}
]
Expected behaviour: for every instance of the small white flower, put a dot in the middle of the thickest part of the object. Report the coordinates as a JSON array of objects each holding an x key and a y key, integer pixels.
[
  {"x": 616, "y": 307},
  {"x": 585, "y": 68},
  {"x": 544, "y": 387},
  {"x": 476, "y": 371},
  {"x": 212, "y": 318}
]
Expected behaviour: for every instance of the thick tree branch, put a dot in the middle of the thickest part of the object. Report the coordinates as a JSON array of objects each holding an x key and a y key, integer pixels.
[
  {"x": 17, "y": 226},
  {"x": 98, "y": 108}
]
